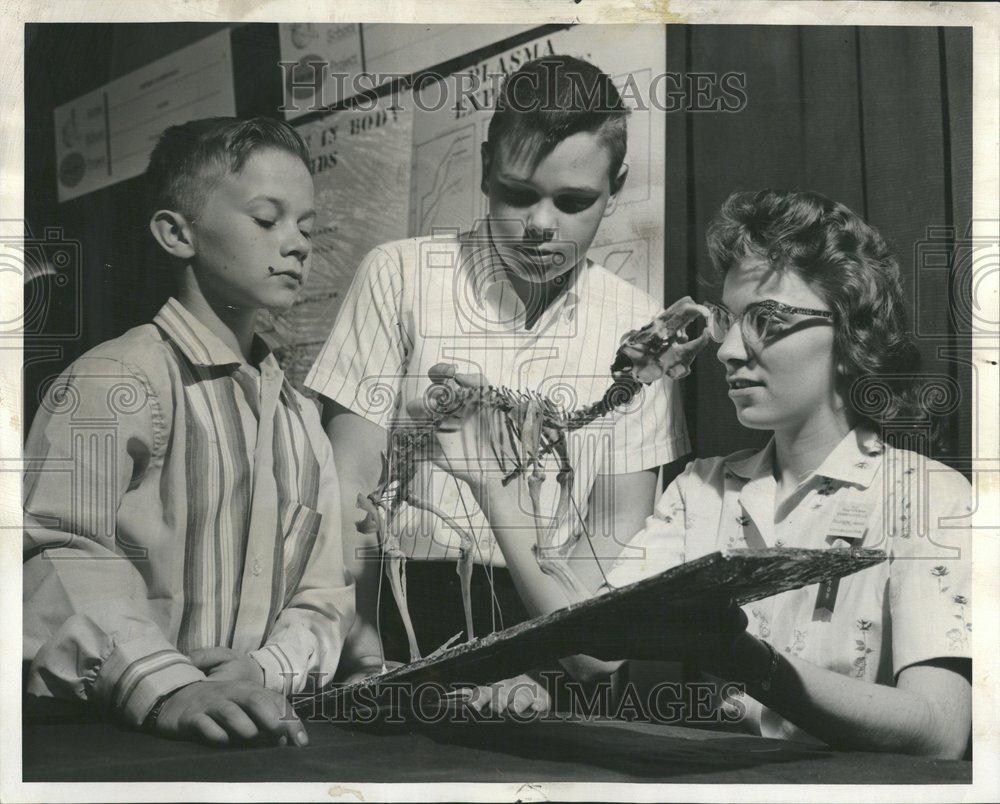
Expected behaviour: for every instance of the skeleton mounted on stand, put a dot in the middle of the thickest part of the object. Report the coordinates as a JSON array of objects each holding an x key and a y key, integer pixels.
[{"x": 524, "y": 427}]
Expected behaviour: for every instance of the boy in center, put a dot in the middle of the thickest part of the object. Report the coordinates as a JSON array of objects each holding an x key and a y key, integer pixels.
[{"x": 518, "y": 301}]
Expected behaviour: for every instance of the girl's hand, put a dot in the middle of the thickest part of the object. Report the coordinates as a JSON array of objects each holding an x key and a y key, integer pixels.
[{"x": 516, "y": 695}]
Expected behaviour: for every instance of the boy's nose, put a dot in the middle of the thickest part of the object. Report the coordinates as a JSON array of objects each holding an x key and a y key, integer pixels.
[
  {"x": 297, "y": 246},
  {"x": 541, "y": 223}
]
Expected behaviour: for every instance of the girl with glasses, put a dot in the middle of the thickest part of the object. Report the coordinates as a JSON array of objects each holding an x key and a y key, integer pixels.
[{"x": 811, "y": 328}]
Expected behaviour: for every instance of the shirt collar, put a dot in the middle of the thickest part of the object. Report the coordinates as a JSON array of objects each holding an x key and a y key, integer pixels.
[
  {"x": 493, "y": 288},
  {"x": 755, "y": 465},
  {"x": 856, "y": 459},
  {"x": 204, "y": 348}
]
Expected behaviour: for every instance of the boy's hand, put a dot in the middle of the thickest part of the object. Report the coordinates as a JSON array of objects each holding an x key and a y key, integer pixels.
[
  {"x": 463, "y": 447},
  {"x": 226, "y": 664},
  {"x": 220, "y": 712}
]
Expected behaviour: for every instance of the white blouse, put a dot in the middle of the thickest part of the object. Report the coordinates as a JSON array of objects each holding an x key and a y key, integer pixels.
[{"x": 912, "y": 608}]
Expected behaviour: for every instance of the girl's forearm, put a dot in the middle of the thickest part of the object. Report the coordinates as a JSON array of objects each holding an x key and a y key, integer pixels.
[
  {"x": 514, "y": 530},
  {"x": 853, "y": 713}
]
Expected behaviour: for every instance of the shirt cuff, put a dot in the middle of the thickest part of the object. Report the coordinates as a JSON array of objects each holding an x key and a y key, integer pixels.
[
  {"x": 140, "y": 672},
  {"x": 279, "y": 675}
]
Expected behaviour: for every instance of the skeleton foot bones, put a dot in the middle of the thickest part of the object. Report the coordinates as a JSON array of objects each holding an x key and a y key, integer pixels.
[{"x": 520, "y": 429}]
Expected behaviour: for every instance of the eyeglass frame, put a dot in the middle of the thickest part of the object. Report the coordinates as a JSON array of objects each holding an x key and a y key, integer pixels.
[{"x": 771, "y": 305}]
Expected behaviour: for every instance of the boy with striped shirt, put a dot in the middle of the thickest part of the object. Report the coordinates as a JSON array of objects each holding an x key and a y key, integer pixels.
[{"x": 183, "y": 565}]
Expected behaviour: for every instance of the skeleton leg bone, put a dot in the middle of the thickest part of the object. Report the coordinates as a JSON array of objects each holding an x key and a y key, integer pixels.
[
  {"x": 395, "y": 569},
  {"x": 553, "y": 555},
  {"x": 465, "y": 564}
]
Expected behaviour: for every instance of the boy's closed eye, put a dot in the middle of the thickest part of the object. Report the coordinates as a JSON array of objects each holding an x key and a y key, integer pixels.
[
  {"x": 267, "y": 223},
  {"x": 575, "y": 203},
  {"x": 568, "y": 203},
  {"x": 516, "y": 196}
]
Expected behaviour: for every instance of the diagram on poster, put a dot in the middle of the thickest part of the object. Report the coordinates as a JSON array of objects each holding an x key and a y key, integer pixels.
[
  {"x": 106, "y": 136},
  {"x": 450, "y": 194},
  {"x": 360, "y": 163}
]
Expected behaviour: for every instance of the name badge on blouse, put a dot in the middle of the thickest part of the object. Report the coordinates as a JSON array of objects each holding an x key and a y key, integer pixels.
[{"x": 850, "y": 522}]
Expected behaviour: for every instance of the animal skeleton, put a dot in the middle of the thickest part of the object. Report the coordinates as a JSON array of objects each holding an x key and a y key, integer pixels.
[{"x": 524, "y": 427}]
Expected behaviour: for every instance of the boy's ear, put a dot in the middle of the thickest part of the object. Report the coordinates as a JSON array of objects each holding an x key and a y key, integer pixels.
[
  {"x": 173, "y": 232},
  {"x": 487, "y": 156},
  {"x": 619, "y": 180}
]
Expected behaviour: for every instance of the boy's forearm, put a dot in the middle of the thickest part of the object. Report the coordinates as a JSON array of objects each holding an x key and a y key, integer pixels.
[{"x": 102, "y": 637}]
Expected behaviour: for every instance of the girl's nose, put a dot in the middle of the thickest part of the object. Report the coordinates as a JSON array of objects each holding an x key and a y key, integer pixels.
[{"x": 733, "y": 346}]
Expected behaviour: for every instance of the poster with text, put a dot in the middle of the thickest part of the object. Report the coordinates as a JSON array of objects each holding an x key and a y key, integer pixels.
[
  {"x": 451, "y": 120},
  {"x": 360, "y": 161},
  {"x": 107, "y": 135}
]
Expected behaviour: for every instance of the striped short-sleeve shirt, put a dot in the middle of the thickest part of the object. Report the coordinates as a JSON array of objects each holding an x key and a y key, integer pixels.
[{"x": 417, "y": 302}]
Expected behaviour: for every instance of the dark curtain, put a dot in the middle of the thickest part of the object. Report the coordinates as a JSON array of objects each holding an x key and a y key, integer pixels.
[{"x": 878, "y": 118}]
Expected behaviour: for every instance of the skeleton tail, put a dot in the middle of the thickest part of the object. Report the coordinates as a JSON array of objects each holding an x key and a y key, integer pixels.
[{"x": 620, "y": 393}]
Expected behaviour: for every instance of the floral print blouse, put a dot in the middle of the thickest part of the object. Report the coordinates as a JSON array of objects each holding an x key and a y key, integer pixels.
[{"x": 871, "y": 625}]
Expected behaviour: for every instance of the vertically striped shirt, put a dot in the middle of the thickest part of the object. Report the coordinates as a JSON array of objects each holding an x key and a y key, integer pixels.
[
  {"x": 426, "y": 300},
  {"x": 178, "y": 497}
]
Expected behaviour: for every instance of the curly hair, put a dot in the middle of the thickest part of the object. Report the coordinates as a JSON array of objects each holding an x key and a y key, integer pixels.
[{"x": 856, "y": 272}]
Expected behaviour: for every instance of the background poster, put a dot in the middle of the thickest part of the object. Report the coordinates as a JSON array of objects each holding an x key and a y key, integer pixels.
[
  {"x": 446, "y": 162},
  {"x": 106, "y": 136},
  {"x": 361, "y": 170},
  {"x": 351, "y": 49}
]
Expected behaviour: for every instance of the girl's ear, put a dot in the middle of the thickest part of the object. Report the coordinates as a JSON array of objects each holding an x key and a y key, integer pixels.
[{"x": 173, "y": 232}]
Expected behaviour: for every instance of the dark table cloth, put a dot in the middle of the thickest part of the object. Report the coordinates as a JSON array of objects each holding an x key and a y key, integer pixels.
[{"x": 595, "y": 751}]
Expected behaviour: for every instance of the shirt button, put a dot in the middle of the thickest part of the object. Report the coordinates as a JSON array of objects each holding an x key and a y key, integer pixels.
[{"x": 255, "y": 569}]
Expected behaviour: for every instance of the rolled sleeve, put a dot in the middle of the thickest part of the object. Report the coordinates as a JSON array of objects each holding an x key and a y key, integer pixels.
[
  {"x": 930, "y": 579},
  {"x": 279, "y": 672},
  {"x": 139, "y": 672},
  {"x": 651, "y": 432},
  {"x": 361, "y": 366},
  {"x": 90, "y": 630}
]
